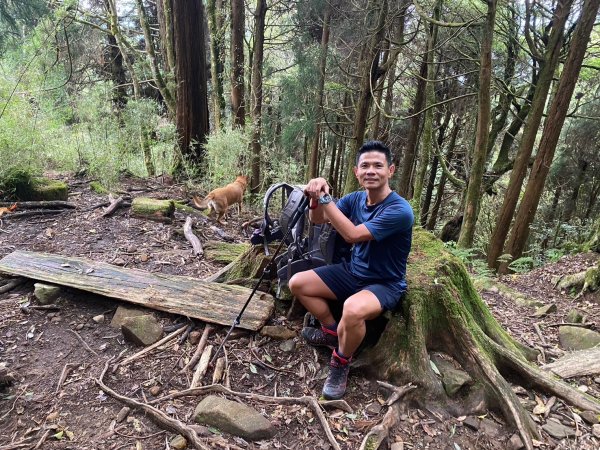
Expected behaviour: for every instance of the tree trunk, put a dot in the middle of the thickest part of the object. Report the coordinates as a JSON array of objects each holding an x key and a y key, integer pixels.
[
  {"x": 549, "y": 64},
  {"x": 192, "y": 93},
  {"x": 156, "y": 73},
  {"x": 571, "y": 203},
  {"x": 165, "y": 22},
  {"x": 554, "y": 122},
  {"x": 314, "y": 153},
  {"x": 238, "y": 107},
  {"x": 441, "y": 186},
  {"x": 215, "y": 11},
  {"x": 374, "y": 133},
  {"x": 257, "y": 93},
  {"x": 114, "y": 67},
  {"x": 368, "y": 77},
  {"x": 473, "y": 195},
  {"x": 410, "y": 152},
  {"x": 434, "y": 169}
]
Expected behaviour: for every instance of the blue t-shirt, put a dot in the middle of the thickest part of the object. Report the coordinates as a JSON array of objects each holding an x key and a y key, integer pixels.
[{"x": 382, "y": 259}]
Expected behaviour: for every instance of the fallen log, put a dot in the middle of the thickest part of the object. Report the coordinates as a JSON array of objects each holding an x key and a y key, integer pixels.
[
  {"x": 41, "y": 204},
  {"x": 187, "y": 296},
  {"x": 38, "y": 212},
  {"x": 115, "y": 203},
  {"x": 192, "y": 238},
  {"x": 576, "y": 364}
]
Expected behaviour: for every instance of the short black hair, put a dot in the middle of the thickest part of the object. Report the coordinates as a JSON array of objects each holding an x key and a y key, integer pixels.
[{"x": 375, "y": 146}]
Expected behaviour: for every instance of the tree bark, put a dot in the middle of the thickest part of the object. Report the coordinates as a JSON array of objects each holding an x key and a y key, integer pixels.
[
  {"x": 571, "y": 203},
  {"x": 192, "y": 92},
  {"x": 473, "y": 194},
  {"x": 551, "y": 133},
  {"x": 238, "y": 107},
  {"x": 314, "y": 153},
  {"x": 368, "y": 76},
  {"x": 215, "y": 23},
  {"x": 257, "y": 93},
  {"x": 549, "y": 64}
]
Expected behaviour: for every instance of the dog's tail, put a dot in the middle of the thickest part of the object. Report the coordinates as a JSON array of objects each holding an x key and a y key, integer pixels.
[{"x": 201, "y": 204}]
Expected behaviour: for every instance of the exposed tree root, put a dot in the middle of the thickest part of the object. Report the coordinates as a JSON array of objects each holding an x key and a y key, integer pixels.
[
  {"x": 156, "y": 415},
  {"x": 309, "y": 401}
]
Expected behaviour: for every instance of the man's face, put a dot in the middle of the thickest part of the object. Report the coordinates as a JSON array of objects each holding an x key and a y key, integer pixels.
[{"x": 373, "y": 171}]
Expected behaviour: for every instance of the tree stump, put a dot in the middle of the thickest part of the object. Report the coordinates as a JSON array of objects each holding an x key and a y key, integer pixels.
[
  {"x": 42, "y": 189},
  {"x": 153, "y": 209}
]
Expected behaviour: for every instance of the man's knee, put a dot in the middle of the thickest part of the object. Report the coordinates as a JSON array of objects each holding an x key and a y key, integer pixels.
[
  {"x": 360, "y": 308},
  {"x": 296, "y": 283}
]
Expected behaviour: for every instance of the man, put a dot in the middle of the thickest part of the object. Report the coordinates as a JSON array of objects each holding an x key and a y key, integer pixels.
[{"x": 379, "y": 224}]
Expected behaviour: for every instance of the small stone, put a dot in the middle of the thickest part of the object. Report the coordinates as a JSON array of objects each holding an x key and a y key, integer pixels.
[
  {"x": 155, "y": 390},
  {"x": 45, "y": 293},
  {"x": 577, "y": 338},
  {"x": 514, "y": 443},
  {"x": 278, "y": 332},
  {"x": 374, "y": 408},
  {"x": 178, "y": 442},
  {"x": 79, "y": 327},
  {"x": 119, "y": 262},
  {"x": 596, "y": 430},
  {"x": 131, "y": 249},
  {"x": 200, "y": 430},
  {"x": 144, "y": 258},
  {"x": 597, "y": 380},
  {"x": 142, "y": 330},
  {"x": 194, "y": 337},
  {"x": 124, "y": 312},
  {"x": 575, "y": 316},
  {"x": 397, "y": 446},
  {"x": 583, "y": 388},
  {"x": 557, "y": 430},
  {"x": 590, "y": 417},
  {"x": 123, "y": 414},
  {"x": 99, "y": 318},
  {"x": 490, "y": 428},
  {"x": 287, "y": 346},
  {"x": 52, "y": 416},
  {"x": 544, "y": 310},
  {"x": 471, "y": 422}
]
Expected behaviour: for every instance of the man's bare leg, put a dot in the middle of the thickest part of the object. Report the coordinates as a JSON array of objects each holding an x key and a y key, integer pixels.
[
  {"x": 314, "y": 295},
  {"x": 351, "y": 330}
]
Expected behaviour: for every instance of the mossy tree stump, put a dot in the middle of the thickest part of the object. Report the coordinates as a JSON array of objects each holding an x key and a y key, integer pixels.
[
  {"x": 443, "y": 312},
  {"x": 42, "y": 189}
]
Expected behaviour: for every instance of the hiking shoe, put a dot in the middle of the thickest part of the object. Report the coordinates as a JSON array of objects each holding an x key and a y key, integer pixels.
[
  {"x": 335, "y": 384},
  {"x": 320, "y": 337}
]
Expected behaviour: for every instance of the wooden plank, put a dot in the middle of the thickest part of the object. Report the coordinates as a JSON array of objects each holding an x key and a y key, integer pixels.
[{"x": 210, "y": 302}]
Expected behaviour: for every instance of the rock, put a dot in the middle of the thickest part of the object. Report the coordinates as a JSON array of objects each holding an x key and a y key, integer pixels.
[
  {"x": 142, "y": 330},
  {"x": 99, "y": 318},
  {"x": 590, "y": 417},
  {"x": 514, "y": 443},
  {"x": 577, "y": 338},
  {"x": 234, "y": 418},
  {"x": 557, "y": 430},
  {"x": 46, "y": 293},
  {"x": 178, "y": 442},
  {"x": 122, "y": 313},
  {"x": 123, "y": 414},
  {"x": 52, "y": 416},
  {"x": 524, "y": 301},
  {"x": 545, "y": 310},
  {"x": 194, "y": 337},
  {"x": 200, "y": 430},
  {"x": 374, "y": 408},
  {"x": 490, "y": 428},
  {"x": 397, "y": 446},
  {"x": 471, "y": 422},
  {"x": 288, "y": 346},
  {"x": 278, "y": 332},
  {"x": 575, "y": 316},
  {"x": 119, "y": 262},
  {"x": 155, "y": 390},
  {"x": 596, "y": 430},
  {"x": 452, "y": 378}
]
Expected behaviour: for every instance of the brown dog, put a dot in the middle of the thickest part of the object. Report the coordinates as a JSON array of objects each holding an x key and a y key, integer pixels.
[{"x": 218, "y": 200}]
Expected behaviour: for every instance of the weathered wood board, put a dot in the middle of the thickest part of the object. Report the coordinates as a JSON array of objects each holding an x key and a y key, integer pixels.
[{"x": 210, "y": 302}]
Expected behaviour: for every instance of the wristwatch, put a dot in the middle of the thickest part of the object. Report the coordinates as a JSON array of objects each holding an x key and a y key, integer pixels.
[{"x": 324, "y": 199}]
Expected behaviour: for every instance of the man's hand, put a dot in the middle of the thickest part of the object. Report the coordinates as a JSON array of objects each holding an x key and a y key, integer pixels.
[{"x": 316, "y": 188}]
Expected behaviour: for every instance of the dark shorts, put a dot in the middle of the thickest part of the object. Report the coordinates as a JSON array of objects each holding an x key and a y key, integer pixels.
[{"x": 344, "y": 284}]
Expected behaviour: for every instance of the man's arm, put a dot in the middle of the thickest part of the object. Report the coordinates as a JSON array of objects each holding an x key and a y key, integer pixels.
[{"x": 350, "y": 232}]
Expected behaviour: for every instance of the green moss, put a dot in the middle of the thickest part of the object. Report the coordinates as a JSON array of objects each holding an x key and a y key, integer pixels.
[
  {"x": 224, "y": 252},
  {"x": 179, "y": 206},
  {"x": 153, "y": 208},
  {"x": 42, "y": 189},
  {"x": 592, "y": 278},
  {"x": 96, "y": 186}
]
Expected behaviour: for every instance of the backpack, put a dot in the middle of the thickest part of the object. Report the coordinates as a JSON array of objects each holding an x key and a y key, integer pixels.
[{"x": 308, "y": 245}]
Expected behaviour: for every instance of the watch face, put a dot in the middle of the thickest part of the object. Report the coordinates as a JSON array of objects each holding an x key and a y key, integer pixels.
[{"x": 326, "y": 198}]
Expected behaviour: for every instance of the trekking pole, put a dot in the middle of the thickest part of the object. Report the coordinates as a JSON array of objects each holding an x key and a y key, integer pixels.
[{"x": 299, "y": 213}]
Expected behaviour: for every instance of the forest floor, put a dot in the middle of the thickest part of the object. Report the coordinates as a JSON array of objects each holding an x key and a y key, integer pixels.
[{"x": 37, "y": 345}]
